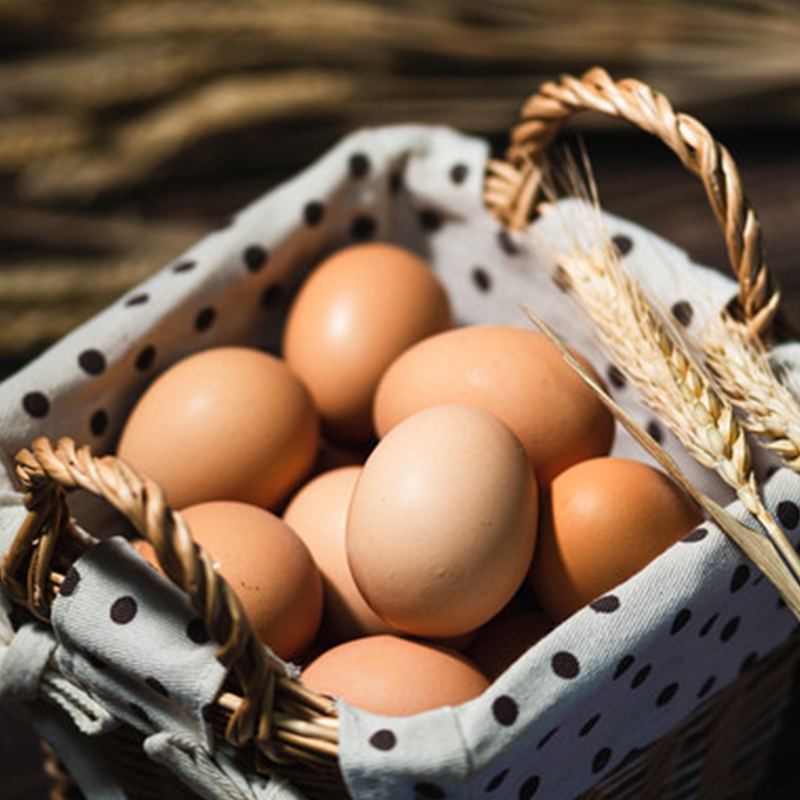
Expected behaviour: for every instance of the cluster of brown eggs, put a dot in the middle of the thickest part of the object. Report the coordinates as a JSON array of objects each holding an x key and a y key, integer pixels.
[{"x": 380, "y": 493}]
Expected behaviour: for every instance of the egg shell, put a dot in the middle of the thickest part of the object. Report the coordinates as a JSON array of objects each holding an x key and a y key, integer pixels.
[
  {"x": 228, "y": 423},
  {"x": 318, "y": 514},
  {"x": 267, "y": 566},
  {"x": 515, "y": 373},
  {"x": 504, "y": 639},
  {"x": 442, "y": 523},
  {"x": 601, "y": 522},
  {"x": 355, "y": 313},
  {"x": 394, "y": 676}
]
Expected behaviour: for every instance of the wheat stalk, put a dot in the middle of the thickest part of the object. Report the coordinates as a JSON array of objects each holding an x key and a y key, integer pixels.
[
  {"x": 740, "y": 364},
  {"x": 759, "y": 548},
  {"x": 676, "y": 388}
]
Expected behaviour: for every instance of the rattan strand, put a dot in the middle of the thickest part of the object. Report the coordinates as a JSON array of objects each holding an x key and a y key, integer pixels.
[
  {"x": 514, "y": 186},
  {"x": 254, "y": 718},
  {"x": 722, "y": 749}
]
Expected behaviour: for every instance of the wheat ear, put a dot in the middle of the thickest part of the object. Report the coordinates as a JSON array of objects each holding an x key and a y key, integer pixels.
[
  {"x": 759, "y": 548},
  {"x": 648, "y": 350},
  {"x": 740, "y": 364}
]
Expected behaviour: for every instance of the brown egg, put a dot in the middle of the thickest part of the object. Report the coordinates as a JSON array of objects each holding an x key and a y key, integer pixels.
[
  {"x": 353, "y": 315},
  {"x": 229, "y": 423},
  {"x": 515, "y": 373},
  {"x": 267, "y": 566},
  {"x": 318, "y": 514},
  {"x": 394, "y": 676},
  {"x": 504, "y": 639},
  {"x": 603, "y": 521},
  {"x": 442, "y": 523}
]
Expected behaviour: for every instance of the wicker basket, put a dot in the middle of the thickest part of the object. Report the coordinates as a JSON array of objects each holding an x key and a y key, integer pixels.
[{"x": 264, "y": 718}]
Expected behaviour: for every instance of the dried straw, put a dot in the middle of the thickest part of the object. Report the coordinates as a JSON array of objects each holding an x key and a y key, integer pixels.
[{"x": 107, "y": 107}]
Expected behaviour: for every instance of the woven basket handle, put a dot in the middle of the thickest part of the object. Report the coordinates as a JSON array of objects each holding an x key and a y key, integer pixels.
[
  {"x": 513, "y": 186},
  {"x": 48, "y": 542}
]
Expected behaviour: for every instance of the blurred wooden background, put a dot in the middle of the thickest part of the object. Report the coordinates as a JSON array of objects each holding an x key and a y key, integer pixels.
[{"x": 128, "y": 128}]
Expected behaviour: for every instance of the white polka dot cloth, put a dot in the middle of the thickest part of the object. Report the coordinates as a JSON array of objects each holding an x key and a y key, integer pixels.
[{"x": 126, "y": 646}]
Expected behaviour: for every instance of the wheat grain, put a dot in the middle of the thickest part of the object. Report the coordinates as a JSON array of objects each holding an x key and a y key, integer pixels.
[
  {"x": 669, "y": 380},
  {"x": 742, "y": 369}
]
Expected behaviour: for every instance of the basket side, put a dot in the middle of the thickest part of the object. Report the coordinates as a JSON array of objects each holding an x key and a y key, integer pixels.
[{"x": 723, "y": 749}]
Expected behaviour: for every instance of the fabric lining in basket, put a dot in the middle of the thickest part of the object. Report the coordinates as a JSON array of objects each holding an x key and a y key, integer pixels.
[{"x": 615, "y": 678}]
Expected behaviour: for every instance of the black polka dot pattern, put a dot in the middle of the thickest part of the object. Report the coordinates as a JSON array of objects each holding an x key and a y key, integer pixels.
[
  {"x": 681, "y": 621},
  {"x": 529, "y": 787},
  {"x": 481, "y": 279},
  {"x": 566, "y": 665},
  {"x": 205, "y": 319},
  {"x": 124, "y": 610},
  {"x": 655, "y": 431},
  {"x": 616, "y": 377},
  {"x": 707, "y": 686},
  {"x": 666, "y": 694},
  {"x": 788, "y": 514},
  {"x": 622, "y": 243},
  {"x": 70, "y": 583},
  {"x": 145, "y": 359},
  {"x": 313, "y": 213},
  {"x": 624, "y": 664},
  {"x": 383, "y": 740},
  {"x": 458, "y": 173},
  {"x": 601, "y": 759},
  {"x": 708, "y": 625},
  {"x": 589, "y": 725},
  {"x": 683, "y": 312},
  {"x": 606, "y": 604},
  {"x": 395, "y": 182},
  {"x": 697, "y": 535},
  {"x": 359, "y": 165},
  {"x": 255, "y": 257},
  {"x": 363, "y": 228},
  {"x": 505, "y": 710},
  {"x": 740, "y": 577},
  {"x": 496, "y": 781},
  {"x": 36, "y": 404},
  {"x": 197, "y": 632},
  {"x": 184, "y": 266},
  {"x": 641, "y": 676},
  {"x": 729, "y": 629},
  {"x": 138, "y": 299},
  {"x": 98, "y": 422},
  {"x": 506, "y": 243},
  {"x": 92, "y": 362}
]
